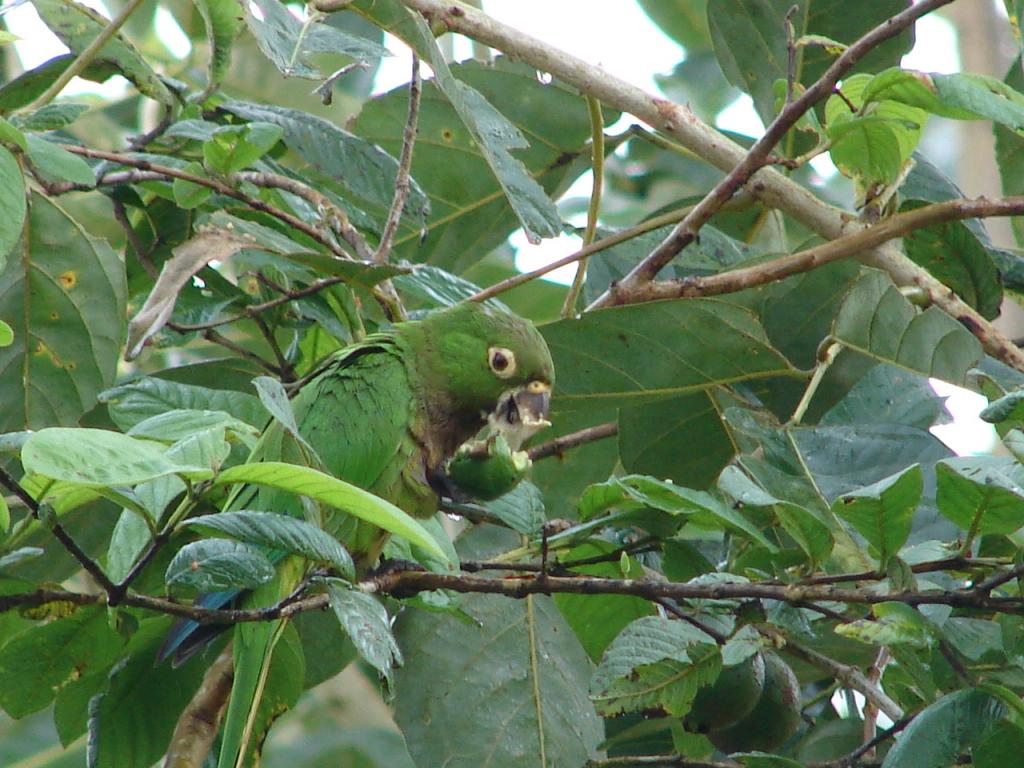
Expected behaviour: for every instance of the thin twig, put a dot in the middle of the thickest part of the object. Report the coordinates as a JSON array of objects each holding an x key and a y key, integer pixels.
[
  {"x": 594, "y": 208},
  {"x": 611, "y": 241},
  {"x": 90, "y": 565},
  {"x": 563, "y": 443},
  {"x": 334, "y": 216},
  {"x": 141, "y": 252},
  {"x": 402, "y": 180}
]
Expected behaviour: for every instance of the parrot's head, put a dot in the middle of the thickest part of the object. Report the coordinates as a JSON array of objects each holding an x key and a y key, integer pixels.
[{"x": 495, "y": 366}]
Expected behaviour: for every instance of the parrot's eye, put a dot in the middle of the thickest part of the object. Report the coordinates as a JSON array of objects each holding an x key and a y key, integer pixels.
[{"x": 502, "y": 361}]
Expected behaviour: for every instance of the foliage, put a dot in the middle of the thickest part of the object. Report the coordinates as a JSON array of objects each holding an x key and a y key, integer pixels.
[{"x": 744, "y": 477}]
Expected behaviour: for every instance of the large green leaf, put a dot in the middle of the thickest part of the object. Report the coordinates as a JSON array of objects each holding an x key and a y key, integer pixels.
[
  {"x": 367, "y": 624},
  {"x": 640, "y": 353},
  {"x": 41, "y": 660},
  {"x": 955, "y": 255},
  {"x": 100, "y": 458},
  {"x": 281, "y": 532},
  {"x": 517, "y": 666},
  {"x": 878, "y": 321},
  {"x": 982, "y": 494},
  {"x": 63, "y": 293},
  {"x": 132, "y": 403},
  {"x": 658, "y": 438},
  {"x": 882, "y": 512},
  {"x": 132, "y": 721},
  {"x": 469, "y": 213},
  {"x": 597, "y": 619},
  {"x": 944, "y": 730},
  {"x": 359, "y": 165},
  {"x": 212, "y": 565},
  {"x": 306, "y": 481},
  {"x": 871, "y": 146},
  {"x": 289, "y": 43},
  {"x": 1010, "y": 152},
  {"x": 655, "y": 664},
  {"x": 77, "y": 26},
  {"x": 749, "y": 38}
]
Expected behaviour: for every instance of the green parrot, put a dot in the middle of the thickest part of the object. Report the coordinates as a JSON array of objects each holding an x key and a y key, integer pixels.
[{"x": 388, "y": 414}]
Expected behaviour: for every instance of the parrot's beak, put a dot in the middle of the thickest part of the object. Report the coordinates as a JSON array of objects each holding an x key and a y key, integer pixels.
[{"x": 522, "y": 412}]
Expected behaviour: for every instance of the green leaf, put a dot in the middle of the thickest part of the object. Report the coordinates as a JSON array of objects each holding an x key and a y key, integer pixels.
[
  {"x": 39, "y": 661},
  {"x": 180, "y": 423},
  {"x": 368, "y": 625},
  {"x": 354, "y": 501},
  {"x": 11, "y": 136},
  {"x": 685, "y": 21},
  {"x": 634, "y": 492},
  {"x": 916, "y": 89},
  {"x": 1000, "y": 746},
  {"x": 50, "y": 117},
  {"x": 982, "y": 495},
  {"x": 883, "y": 512},
  {"x": 144, "y": 398},
  {"x": 97, "y": 457},
  {"x": 946, "y": 729},
  {"x": 218, "y": 564},
  {"x": 654, "y": 664},
  {"x": 878, "y": 321},
  {"x": 132, "y": 721},
  {"x": 360, "y": 166},
  {"x": 469, "y": 212},
  {"x": 188, "y": 194},
  {"x": 658, "y": 349},
  {"x": 1010, "y": 154},
  {"x": 495, "y": 136},
  {"x": 810, "y": 533},
  {"x": 77, "y": 26},
  {"x": 521, "y": 509},
  {"x": 953, "y": 253},
  {"x": 749, "y": 39},
  {"x": 12, "y": 201},
  {"x": 598, "y": 619},
  {"x": 894, "y": 624},
  {"x": 874, "y": 144},
  {"x": 30, "y": 85},
  {"x": 656, "y": 438},
  {"x": 279, "y": 532},
  {"x": 234, "y": 147},
  {"x": 516, "y": 666},
  {"x": 288, "y": 42},
  {"x": 64, "y": 295},
  {"x": 222, "y": 24}
]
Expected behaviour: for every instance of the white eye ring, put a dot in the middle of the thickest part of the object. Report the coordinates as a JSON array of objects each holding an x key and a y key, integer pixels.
[{"x": 502, "y": 361}]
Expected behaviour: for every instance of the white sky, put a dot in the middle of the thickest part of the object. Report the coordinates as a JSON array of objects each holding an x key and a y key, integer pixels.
[{"x": 605, "y": 36}]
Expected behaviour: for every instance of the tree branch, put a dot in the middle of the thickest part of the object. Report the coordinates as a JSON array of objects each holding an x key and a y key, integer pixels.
[
  {"x": 852, "y": 244},
  {"x": 571, "y": 440},
  {"x": 218, "y": 187},
  {"x": 402, "y": 181},
  {"x": 769, "y": 185},
  {"x": 90, "y": 565}
]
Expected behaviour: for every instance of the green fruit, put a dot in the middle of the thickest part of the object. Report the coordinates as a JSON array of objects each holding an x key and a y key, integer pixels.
[
  {"x": 774, "y": 718},
  {"x": 732, "y": 697}
]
